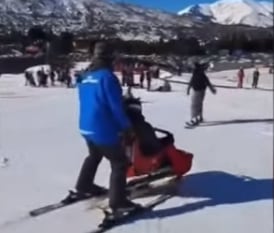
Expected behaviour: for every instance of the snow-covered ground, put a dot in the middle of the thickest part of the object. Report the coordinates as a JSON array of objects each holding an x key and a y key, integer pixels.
[
  {"x": 229, "y": 188},
  {"x": 228, "y": 78}
]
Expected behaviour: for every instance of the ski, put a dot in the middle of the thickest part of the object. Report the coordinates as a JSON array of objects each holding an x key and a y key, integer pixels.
[
  {"x": 150, "y": 190},
  {"x": 132, "y": 185},
  {"x": 63, "y": 203},
  {"x": 191, "y": 125},
  {"x": 110, "y": 221}
]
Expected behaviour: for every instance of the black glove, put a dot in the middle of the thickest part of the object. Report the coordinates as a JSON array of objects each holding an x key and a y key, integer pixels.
[{"x": 213, "y": 90}]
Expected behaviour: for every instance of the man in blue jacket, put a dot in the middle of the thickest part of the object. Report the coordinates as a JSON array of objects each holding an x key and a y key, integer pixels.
[{"x": 104, "y": 125}]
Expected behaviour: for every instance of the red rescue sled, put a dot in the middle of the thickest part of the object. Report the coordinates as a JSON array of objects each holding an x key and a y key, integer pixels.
[
  {"x": 179, "y": 161},
  {"x": 151, "y": 153}
]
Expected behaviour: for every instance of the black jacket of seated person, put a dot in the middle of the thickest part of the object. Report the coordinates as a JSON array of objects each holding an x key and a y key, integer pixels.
[{"x": 149, "y": 143}]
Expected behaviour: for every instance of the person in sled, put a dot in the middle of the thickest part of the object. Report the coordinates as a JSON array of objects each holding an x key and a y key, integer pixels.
[
  {"x": 150, "y": 153},
  {"x": 104, "y": 126},
  {"x": 144, "y": 132},
  {"x": 199, "y": 83}
]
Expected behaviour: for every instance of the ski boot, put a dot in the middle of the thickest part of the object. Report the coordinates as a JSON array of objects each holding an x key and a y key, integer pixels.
[
  {"x": 192, "y": 123},
  {"x": 119, "y": 211},
  {"x": 94, "y": 191}
]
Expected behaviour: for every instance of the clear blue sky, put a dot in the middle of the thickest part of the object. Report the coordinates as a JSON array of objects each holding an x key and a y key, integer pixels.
[{"x": 167, "y": 5}]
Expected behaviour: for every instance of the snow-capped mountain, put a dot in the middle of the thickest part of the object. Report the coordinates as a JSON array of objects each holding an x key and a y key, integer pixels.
[
  {"x": 91, "y": 16},
  {"x": 231, "y": 12},
  {"x": 94, "y": 18}
]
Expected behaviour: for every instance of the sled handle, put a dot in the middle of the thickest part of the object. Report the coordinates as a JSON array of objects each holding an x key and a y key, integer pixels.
[{"x": 163, "y": 131}]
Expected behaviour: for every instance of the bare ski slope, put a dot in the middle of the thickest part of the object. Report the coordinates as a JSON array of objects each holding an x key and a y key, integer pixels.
[{"x": 229, "y": 188}]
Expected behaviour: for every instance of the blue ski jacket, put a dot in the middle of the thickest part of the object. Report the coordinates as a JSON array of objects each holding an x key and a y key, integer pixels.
[{"x": 102, "y": 115}]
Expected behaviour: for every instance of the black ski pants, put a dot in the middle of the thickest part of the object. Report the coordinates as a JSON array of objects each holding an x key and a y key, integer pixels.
[
  {"x": 255, "y": 82},
  {"x": 119, "y": 164}
]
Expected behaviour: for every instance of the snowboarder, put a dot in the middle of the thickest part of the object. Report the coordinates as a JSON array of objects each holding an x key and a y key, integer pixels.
[
  {"x": 199, "y": 83},
  {"x": 104, "y": 126},
  {"x": 256, "y": 75}
]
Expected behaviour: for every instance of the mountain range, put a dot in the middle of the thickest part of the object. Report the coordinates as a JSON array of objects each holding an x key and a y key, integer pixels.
[
  {"x": 87, "y": 18},
  {"x": 91, "y": 17}
]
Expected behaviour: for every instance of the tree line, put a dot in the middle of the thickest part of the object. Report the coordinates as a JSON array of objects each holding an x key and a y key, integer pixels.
[{"x": 64, "y": 44}]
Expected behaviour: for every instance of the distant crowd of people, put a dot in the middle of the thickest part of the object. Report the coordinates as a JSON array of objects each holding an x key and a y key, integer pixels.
[
  {"x": 134, "y": 74},
  {"x": 255, "y": 77},
  {"x": 146, "y": 73},
  {"x": 45, "y": 78}
]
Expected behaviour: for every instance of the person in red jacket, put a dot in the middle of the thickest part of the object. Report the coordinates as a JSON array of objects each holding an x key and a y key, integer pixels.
[{"x": 241, "y": 75}]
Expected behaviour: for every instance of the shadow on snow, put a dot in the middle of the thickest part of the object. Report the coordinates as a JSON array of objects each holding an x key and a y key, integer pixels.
[
  {"x": 236, "y": 121},
  {"x": 218, "y": 188},
  {"x": 220, "y": 85}
]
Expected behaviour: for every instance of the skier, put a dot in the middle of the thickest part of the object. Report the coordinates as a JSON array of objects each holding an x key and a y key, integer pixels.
[
  {"x": 124, "y": 75},
  {"x": 104, "y": 126},
  {"x": 142, "y": 75},
  {"x": 256, "y": 75},
  {"x": 199, "y": 82},
  {"x": 241, "y": 75},
  {"x": 42, "y": 78},
  {"x": 130, "y": 75},
  {"x": 29, "y": 79},
  {"x": 52, "y": 77},
  {"x": 68, "y": 79},
  {"x": 148, "y": 78}
]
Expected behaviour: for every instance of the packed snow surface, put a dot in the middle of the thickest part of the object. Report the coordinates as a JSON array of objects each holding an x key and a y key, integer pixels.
[{"x": 229, "y": 188}]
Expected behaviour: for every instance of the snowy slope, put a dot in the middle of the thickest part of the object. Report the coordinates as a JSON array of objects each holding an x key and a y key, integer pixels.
[
  {"x": 230, "y": 183},
  {"x": 247, "y": 12}
]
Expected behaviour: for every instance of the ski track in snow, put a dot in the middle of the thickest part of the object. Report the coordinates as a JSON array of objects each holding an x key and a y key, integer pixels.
[{"x": 230, "y": 182}]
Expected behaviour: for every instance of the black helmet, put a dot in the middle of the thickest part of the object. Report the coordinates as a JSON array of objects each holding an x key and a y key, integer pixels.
[{"x": 102, "y": 50}]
